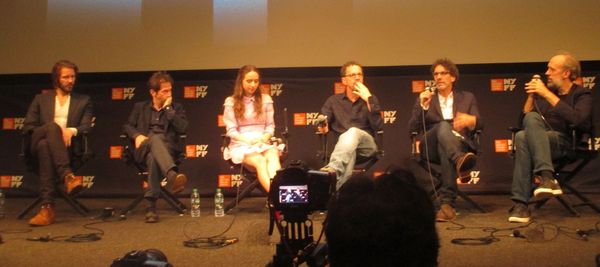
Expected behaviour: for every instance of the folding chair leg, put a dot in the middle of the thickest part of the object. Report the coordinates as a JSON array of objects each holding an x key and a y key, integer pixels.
[
  {"x": 131, "y": 206},
  {"x": 567, "y": 206},
  {"x": 585, "y": 201},
  {"x": 82, "y": 210},
  {"x": 243, "y": 194},
  {"x": 173, "y": 201},
  {"x": 471, "y": 201},
  {"x": 30, "y": 207}
]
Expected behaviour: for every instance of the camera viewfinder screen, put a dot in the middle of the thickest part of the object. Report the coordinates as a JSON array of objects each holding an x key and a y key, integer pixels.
[{"x": 293, "y": 194}]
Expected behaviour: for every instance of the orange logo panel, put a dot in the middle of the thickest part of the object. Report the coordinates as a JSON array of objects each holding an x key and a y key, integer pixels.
[
  {"x": 8, "y": 123},
  {"x": 497, "y": 85},
  {"x": 224, "y": 180},
  {"x": 418, "y": 86},
  {"x": 501, "y": 146},
  {"x": 118, "y": 94},
  {"x": 116, "y": 152},
  {"x": 299, "y": 118}
]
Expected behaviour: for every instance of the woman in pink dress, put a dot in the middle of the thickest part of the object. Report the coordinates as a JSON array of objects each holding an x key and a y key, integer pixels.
[{"x": 248, "y": 117}]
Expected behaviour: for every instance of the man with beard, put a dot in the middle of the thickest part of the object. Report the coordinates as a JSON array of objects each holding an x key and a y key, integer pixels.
[
  {"x": 448, "y": 119},
  {"x": 53, "y": 122},
  {"x": 548, "y": 114},
  {"x": 154, "y": 127}
]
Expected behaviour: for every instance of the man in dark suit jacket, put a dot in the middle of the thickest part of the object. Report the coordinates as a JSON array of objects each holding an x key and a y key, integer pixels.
[
  {"x": 154, "y": 126},
  {"x": 451, "y": 117},
  {"x": 53, "y": 122}
]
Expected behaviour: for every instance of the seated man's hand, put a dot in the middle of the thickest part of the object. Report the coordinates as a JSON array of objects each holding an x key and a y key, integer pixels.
[
  {"x": 67, "y": 135},
  {"x": 139, "y": 140},
  {"x": 323, "y": 129},
  {"x": 464, "y": 120}
]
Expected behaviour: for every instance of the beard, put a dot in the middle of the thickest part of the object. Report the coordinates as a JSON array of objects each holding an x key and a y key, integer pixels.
[
  {"x": 552, "y": 84},
  {"x": 66, "y": 87}
]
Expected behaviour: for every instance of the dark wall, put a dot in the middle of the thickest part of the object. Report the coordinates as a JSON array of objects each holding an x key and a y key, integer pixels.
[{"x": 301, "y": 90}]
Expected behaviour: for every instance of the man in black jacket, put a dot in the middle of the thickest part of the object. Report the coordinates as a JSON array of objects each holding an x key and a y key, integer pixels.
[
  {"x": 548, "y": 116},
  {"x": 54, "y": 121},
  {"x": 451, "y": 118},
  {"x": 154, "y": 127}
]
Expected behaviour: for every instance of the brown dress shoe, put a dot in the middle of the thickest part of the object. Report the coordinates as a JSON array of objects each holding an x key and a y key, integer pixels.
[
  {"x": 72, "y": 184},
  {"x": 445, "y": 213},
  {"x": 44, "y": 217},
  {"x": 178, "y": 184}
]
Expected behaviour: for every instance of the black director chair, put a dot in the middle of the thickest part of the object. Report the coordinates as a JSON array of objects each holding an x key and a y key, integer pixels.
[
  {"x": 79, "y": 154},
  {"x": 435, "y": 168},
  {"x": 246, "y": 173},
  {"x": 170, "y": 198},
  {"x": 583, "y": 150}
]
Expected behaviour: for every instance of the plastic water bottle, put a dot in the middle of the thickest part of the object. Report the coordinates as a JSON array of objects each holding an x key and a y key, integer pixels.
[
  {"x": 219, "y": 210},
  {"x": 2, "y": 211},
  {"x": 195, "y": 203}
]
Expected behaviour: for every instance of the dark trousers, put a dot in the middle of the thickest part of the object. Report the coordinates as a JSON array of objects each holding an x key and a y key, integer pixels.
[
  {"x": 443, "y": 147},
  {"x": 49, "y": 149},
  {"x": 157, "y": 156}
]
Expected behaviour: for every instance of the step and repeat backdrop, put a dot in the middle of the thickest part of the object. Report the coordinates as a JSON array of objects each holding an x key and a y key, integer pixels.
[{"x": 500, "y": 98}]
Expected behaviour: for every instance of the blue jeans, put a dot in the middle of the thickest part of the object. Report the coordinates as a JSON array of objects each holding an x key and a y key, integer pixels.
[
  {"x": 445, "y": 148},
  {"x": 535, "y": 148},
  {"x": 352, "y": 143}
]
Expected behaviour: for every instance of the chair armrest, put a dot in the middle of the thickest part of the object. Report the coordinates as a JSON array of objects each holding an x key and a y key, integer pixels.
[{"x": 513, "y": 131}]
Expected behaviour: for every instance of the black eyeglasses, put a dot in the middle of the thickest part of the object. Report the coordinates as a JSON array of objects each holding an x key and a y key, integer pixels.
[{"x": 441, "y": 73}]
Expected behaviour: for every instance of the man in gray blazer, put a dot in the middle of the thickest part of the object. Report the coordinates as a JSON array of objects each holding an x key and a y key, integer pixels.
[
  {"x": 450, "y": 119},
  {"x": 54, "y": 121},
  {"x": 154, "y": 127}
]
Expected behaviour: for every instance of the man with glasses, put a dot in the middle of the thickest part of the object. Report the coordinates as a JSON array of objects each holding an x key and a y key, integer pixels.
[
  {"x": 447, "y": 119},
  {"x": 548, "y": 116},
  {"x": 354, "y": 116}
]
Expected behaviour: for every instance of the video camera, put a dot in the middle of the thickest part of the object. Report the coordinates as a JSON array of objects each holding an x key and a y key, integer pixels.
[
  {"x": 296, "y": 188},
  {"x": 295, "y": 192}
]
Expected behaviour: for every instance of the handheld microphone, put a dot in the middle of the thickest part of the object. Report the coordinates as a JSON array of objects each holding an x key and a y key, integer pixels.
[
  {"x": 320, "y": 120},
  {"x": 536, "y": 77},
  {"x": 431, "y": 89}
]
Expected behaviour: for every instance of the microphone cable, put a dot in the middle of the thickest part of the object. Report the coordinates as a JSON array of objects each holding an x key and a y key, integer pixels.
[{"x": 427, "y": 159}]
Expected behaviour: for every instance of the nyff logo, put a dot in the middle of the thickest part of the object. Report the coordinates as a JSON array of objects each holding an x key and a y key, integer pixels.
[
  {"x": 474, "y": 178},
  {"x": 87, "y": 181},
  {"x": 195, "y": 91},
  {"x": 596, "y": 144},
  {"x": 589, "y": 82},
  {"x": 501, "y": 85},
  {"x": 11, "y": 181},
  {"x": 196, "y": 151},
  {"x": 274, "y": 89},
  {"x": 123, "y": 93},
  {"x": 12, "y": 123},
  {"x": 502, "y": 145},
  {"x": 389, "y": 116},
  {"x": 303, "y": 119},
  {"x": 229, "y": 180},
  {"x": 419, "y": 85}
]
